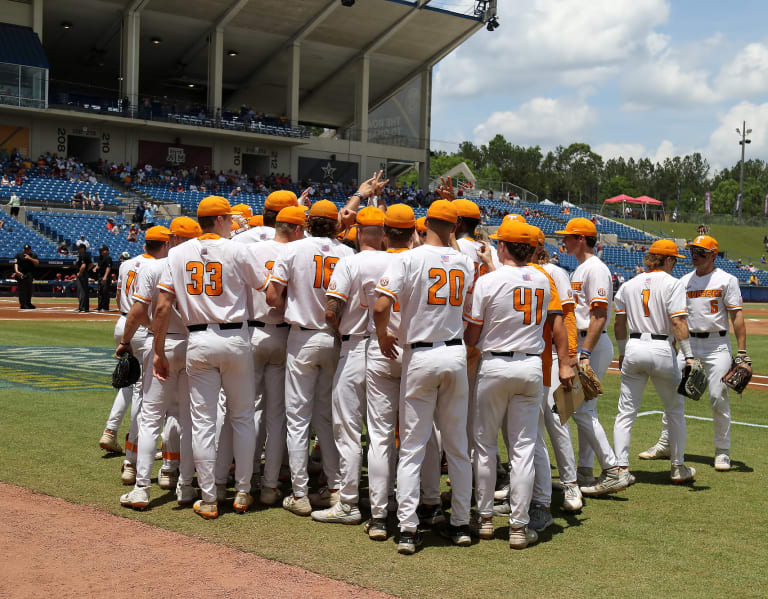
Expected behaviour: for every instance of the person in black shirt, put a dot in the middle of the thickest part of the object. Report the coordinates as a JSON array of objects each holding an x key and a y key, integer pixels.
[
  {"x": 104, "y": 270},
  {"x": 25, "y": 264},
  {"x": 83, "y": 265}
]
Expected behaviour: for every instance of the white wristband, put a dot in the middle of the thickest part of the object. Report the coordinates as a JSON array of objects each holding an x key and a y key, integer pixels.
[
  {"x": 685, "y": 347},
  {"x": 622, "y": 343}
]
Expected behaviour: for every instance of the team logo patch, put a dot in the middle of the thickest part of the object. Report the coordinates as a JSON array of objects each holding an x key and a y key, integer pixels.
[
  {"x": 325, "y": 248},
  {"x": 384, "y": 282},
  {"x": 332, "y": 286},
  {"x": 601, "y": 292}
]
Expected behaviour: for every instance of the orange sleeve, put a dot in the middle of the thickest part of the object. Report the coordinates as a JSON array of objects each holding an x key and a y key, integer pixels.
[
  {"x": 570, "y": 325},
  {"x": 546, "y": 355}
]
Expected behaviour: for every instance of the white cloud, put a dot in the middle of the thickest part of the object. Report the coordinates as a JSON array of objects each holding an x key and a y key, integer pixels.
[
  {"x": 541, "y": 121},
  {"x": 667, "y": 82},
  {"x": 723, "y": 149},
  {"x": 747, "y": 74},
  {"x": 549, "y": 42},
  {"x": 666, "y": 149}
]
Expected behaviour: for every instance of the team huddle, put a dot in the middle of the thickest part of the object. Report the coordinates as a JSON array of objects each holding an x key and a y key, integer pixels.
[{"x": 409, "y": 340}]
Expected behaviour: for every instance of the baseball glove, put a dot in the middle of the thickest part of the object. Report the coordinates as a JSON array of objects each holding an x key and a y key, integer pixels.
[
  {"x": 694, "y": 381},
  {"x": 738, "y": 377},
  {"x": 127, "y": 371},
  {"x": 589, "y": 382}
]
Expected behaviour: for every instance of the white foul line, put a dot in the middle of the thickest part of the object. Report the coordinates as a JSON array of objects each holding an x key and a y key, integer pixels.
[
  {"x": 652, "y": 412},
  {"x": 751, "y": 383}
]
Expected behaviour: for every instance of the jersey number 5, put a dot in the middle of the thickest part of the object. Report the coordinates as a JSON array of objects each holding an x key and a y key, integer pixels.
[
  {"x": 204, "y": 278},
  {"x": 323, "y": 270},
  {"x": 455, "y": 278}
]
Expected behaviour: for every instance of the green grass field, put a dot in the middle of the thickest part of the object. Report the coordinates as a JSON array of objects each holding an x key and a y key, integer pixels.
[{"x": 654, "y": 539}]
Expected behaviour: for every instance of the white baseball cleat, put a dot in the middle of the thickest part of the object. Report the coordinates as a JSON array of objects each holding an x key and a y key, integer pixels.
[
  {"x": 501, "y": 494},
  {"x": 242, "y": 502},
  {"x": 722, "y": 460},
  {"x": 324, "y": 498},
  {"x": 659, "y": 451},
  {"x": 681, "y": 473},
  {"x": 520, "y": 538},
  {"x": 611, "y": 480},
  {"x": 167, "y": 479},
  {"x": 298, "y": 505},
  {"x": 572, "y": 500},
  {"x": 128, "y": 474},
  {"x": 481, "y": 526},
  {"x": 137, "y": 499},
  {"x": 269, "y": 496},
  {"x": 185, "y": 494},
  {"x": 108, "y": 442},
  {"x": 340, "y": 513}
]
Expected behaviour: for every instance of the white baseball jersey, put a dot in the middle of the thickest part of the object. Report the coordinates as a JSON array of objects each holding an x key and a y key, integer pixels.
[
  {"x": 126, "y": 279},
  {"x": 305, "y": 268},
  {"x": 591, "y": 284},
  {"x": 430, "y": 283},
  {"x": 511, "y": 304},
  {"x": 371, "y": 273},
  {"x": 264, "y": 254},
  {"x": 209, "y": 276},
  {"x": 709, "y": 298},
  {"x": 650, "y": 300},
  {"x": 146, "y": 292},
  {"x": 346, "y": 285},
  {"x": 256, "y": 234},
  {"x": 469, "y": 247}
]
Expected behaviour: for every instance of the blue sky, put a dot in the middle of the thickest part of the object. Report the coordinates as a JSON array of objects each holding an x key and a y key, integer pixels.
[{"x": 634, "y": 78}]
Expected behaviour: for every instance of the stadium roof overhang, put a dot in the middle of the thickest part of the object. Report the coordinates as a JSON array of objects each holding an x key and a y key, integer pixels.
[{"x": 400, "y": 37}]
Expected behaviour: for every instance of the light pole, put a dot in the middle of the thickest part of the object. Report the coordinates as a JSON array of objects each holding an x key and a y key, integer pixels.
[{"x": 743, "y": 143}]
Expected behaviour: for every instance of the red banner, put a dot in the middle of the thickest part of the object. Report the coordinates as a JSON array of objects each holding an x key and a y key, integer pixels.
[{"x": 160, "y": 154}]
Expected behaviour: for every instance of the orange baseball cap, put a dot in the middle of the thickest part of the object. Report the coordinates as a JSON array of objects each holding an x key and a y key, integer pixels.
[
  {"x": 516, "y": 217},
  {"x": 579, "y": 226},
  {"x": 235, "y": 226},
  {"x": 421, "y": 224},
  {"x": 370, "y": 216},
  {"x": 664, "y": 247},
  {"x": 183, "y": 226},
  {"x": 243, "y": 209},
  {"x": 706, "y": 242},
  {"x": 537, "y": 236},
  {"x": 214, "y": 206},
  {"x": 157, "y": 234},
  {"x": 443, "y": 210},
  {"x": 349, "y": 235},
  {"x": 257, "y": 220},
  {"x": 400, "y": 216},
  {"x": 324, "y": 209},
  {"x": 467, "y": 208},
  {"x": 513, "y": 232},
  {"x": 293, "y": 215},
  {"x": 277, "y": 200}
]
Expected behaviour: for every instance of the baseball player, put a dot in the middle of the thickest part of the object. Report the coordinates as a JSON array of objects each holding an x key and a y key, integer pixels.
[
  {"x": 509, "y": 310},
  {"x": 549, "y": 421},
  {"x": 208, "y": 278},
  {"x": 430, "y": 284},
  {"x": 347, "y": 315},
  {"x": 299, "y": 280},
  {"x": 156, "y": 239},
  {"x": 712, "y": 297},
  {"x": 591, "y": 283},
  {"x": 651, "y": 307},
  {"x": 421, "y": 229},
  {"x": 275, "y": 202},
  {"x": 161, "y": 398}
]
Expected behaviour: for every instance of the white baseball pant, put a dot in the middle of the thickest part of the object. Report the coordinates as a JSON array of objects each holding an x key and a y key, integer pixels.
[
  {"x": 715, "y": 355},
  {"x": 655, "y": 359},
  {"x": 508, "y": 388},
  {"x": 382, "y": 390},
  {"x": 434, "y": 388},
  {"x": 310, "y": 364},
  {"x": 349, "y": 411},
  {"x": 592, "y": 438},
  {"x": 171, "y": 437},
  {"x": 221, "y": 359},
  {"x": 432, "y": 467},
  {"x": 161, "y": 398},
  {"x": 560, "y": 437}
]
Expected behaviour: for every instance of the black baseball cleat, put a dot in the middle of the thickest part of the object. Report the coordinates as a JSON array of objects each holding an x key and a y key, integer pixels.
[
  {"x": 459, "y": 535},
  {"x": 409, "y": 542}
]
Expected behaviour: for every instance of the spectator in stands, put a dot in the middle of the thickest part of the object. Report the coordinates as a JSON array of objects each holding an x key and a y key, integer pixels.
[
  {"x": 615, "y": 283},
  {"x": 555, "y": 259},
  {"x": 63, "y": 250},
  {"x": 110, "y": 224},
  {"x": 84, "y": 265},
  {"x": 701, "y": 230},
  {"x": 133, "y": 233},
  {"x": 58, "y": 287},
  {"x": 762, "y": 258},
  {"x": 138, "y": 216},
  {"x": 22, "y": 270},
  {"x": 14, "y": 203},
  {"x": 103, "y": 272},
  {"x": 638, "y": 269},
  {"x": 84, "y": 242},
  {"x": 149, "y": 217},
  {"x": 98, "y": 202},
  {"x": 753, "y": 280},
  {"x": 5, "y": 181},
  {"x": 117, "y": 229},
  {"x": 752, "y": 268}
]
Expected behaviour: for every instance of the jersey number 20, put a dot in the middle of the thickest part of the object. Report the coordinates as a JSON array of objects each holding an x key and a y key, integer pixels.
[
  {"x": 205, "y": 278},
  {"x": 455, "y": 278}
]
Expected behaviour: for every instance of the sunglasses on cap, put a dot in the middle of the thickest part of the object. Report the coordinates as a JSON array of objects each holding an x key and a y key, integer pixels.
[{"x": 696, "y": 251}]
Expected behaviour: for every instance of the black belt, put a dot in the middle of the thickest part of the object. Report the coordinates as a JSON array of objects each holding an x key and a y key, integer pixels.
[
  {"x": 224, "y": 326},
  {"x": 511, "y": 354},
  {"x": 705, "y": 335},
  {"x": 123, "y": 313},
  {"x": 419, "y": 344},
  {"x": 584, "y": 333},
  {"x": 260, "y": 325},
  {"x": 654, "y": 337},
  {"x": 348, "y": 337}
]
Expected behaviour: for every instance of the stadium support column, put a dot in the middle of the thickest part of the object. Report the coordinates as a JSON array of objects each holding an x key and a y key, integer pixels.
[
  {"x": 292, "y": 85},
  {"x": 425, "y": 126},
  {"x": 129, "y": 68},
  {"x": 37, "y": 18},
  {"x": 362, "y": 91},
  {"x": 215, "y": 69}
]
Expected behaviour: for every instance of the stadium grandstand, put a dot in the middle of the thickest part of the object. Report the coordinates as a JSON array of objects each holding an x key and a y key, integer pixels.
[{"x": 106, "y": 104}]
